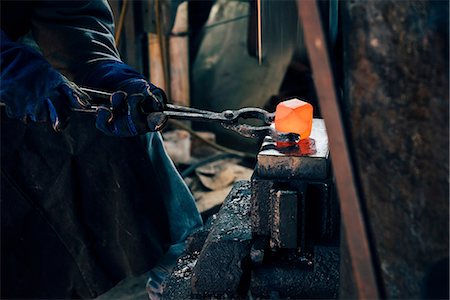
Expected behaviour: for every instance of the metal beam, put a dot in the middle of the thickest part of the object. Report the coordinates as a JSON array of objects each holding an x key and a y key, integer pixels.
[{"x": 353, "y": 220}]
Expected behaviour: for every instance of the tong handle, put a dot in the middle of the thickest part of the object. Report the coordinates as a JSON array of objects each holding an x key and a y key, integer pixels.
[
  {"x": 189, "y": 113},
  {"x": 225, "y": 117},
  {"x": 193, "y": 114}
]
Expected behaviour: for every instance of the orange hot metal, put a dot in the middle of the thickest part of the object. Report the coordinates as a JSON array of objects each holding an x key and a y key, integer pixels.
[{"x": 294, "y": 116}]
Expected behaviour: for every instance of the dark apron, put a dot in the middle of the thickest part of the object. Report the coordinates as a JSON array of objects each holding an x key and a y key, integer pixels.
[{"x": 79, "y": 211}]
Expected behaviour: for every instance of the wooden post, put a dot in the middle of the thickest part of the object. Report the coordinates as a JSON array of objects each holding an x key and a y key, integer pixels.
[
  {"x": 155, "y": 61},
  {"x": 179, "y": 58}
]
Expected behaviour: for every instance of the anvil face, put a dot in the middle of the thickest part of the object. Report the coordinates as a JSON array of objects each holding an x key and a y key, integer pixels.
[{"x": 305, "y": 160}]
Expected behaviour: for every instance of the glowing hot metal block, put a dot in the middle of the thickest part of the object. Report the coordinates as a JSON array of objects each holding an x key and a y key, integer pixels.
[{"x": 294, "y": 116}]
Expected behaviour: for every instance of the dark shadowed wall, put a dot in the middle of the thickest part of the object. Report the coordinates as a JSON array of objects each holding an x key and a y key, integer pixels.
[{"x": 397, "y": 107}]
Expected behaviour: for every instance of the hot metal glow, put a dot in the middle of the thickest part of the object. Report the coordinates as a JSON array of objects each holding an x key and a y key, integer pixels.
[{"x": 294, "y": 116}]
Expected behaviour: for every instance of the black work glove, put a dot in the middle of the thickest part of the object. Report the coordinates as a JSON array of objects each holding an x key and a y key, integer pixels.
[
  {"x": 130, "y": 106},
  {"x": 32, "y": 89}
]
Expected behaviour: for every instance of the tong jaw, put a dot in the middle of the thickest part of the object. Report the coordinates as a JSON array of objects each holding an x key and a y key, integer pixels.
[
  {"x": 257, "y": 131},
  {"x": 263, "y": 131},
  {"x": 232, "y": 116}
]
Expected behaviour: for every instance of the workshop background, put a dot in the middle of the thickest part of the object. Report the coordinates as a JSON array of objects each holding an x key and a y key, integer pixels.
[{"x": 389, "y": 63}]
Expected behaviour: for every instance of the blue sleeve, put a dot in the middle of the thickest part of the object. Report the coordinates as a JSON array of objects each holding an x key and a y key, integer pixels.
[
  {"x": 75, "y": 35},
  {"x": 77, "y": 38},
  {"x": 109, "y": 75}
]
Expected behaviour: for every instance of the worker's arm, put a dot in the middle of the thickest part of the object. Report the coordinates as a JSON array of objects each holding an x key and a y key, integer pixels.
[
  {"x": 31, "y": 89},
  {"x": 76, "y": 37}
]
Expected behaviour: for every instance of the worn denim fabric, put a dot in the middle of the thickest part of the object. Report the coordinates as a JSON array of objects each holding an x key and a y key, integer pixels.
[
  {"x": 184, "y": 217},
  {"x": 180, "y": 204}
]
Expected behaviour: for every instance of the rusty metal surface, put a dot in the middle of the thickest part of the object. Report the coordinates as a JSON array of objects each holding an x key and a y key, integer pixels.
[
  {"x": 285, "y": 227},
  {"x": 277, "y": 280},
  {"x": 353, "y": 221},
  {"x": 307, "y": 159},
  {"x": 318, "y": 206},
  {"x": 260, "y": 206},
  {"x": 397, "y": 104}
]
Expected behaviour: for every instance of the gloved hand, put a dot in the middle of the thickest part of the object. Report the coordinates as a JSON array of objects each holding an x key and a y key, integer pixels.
[
  {"x": 32, "y": 90},
  {"x": 131, "y": 104}
]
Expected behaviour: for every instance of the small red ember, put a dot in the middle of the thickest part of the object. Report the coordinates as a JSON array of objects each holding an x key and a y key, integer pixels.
[{"x": 294, "y": 116}]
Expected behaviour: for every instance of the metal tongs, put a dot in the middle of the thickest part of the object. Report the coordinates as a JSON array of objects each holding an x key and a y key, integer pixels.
[{"x": 229, "y": 119}]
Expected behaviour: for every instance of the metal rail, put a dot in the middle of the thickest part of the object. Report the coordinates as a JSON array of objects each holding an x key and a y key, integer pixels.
[
  {"x": 259, "y": 27},
  {"x": 353, "y": 220}
]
